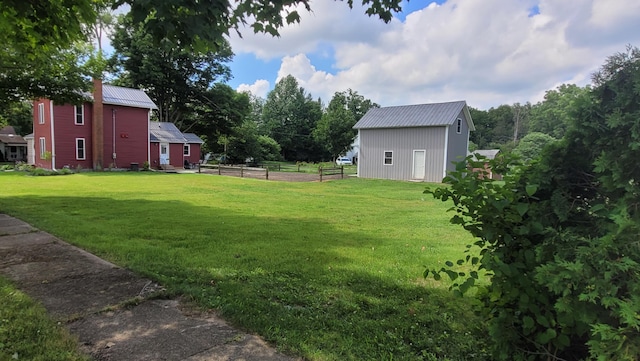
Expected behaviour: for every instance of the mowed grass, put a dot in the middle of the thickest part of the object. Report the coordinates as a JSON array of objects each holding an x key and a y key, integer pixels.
[{"x": 326, "y": 271}]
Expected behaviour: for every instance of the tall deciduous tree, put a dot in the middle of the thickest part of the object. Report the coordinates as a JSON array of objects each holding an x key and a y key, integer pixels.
[
  {"x": 175, "y": 78},
  {"x": 553, "y": 114},
  {"x": 289, "y": 116},
  {"x": 219, "y": 112},
  {"x": 335, "y": 128}
]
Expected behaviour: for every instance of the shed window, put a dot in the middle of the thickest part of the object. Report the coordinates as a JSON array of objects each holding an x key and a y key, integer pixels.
[
  {"x": 41, "y": 113},
  {"x": 459, "y": 126},
  {"x": 43, "y": 148},
  {"x": 186, "y": 149},
  {"x": 80, "y": 149},
  {"x": 79, "y": 114},
  {"x": 388, "y": 157}
]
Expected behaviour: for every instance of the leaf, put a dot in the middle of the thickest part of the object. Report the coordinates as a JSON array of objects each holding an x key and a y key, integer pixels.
[
  {"x": 527, "y": 323},
  {"x": 531, "y": 189},
  {"x": 449, "y": 264},
  {"x": 522, "y": 208}
]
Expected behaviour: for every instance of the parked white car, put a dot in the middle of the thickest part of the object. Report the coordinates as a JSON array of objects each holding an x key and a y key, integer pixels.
[{"x": 343, "y": 161}]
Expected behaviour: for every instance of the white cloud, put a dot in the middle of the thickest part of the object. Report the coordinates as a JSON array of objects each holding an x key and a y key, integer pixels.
[
  {"x": 487, "y": 52},
  {"x": 260, "y": 88}
]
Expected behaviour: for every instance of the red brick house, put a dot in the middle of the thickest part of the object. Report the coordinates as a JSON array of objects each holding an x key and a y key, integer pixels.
[{"x": 110, "y": 130}]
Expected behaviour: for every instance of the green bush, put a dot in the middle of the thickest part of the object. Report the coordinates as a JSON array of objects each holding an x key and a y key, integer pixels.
[{"x": 560, "y": 238}]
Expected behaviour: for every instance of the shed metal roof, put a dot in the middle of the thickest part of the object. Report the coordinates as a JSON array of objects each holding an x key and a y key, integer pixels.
[
  {"x": 420, "y": 115},
  {"x": 169, "y": 133},
  {"x": 117, "y": 95}
]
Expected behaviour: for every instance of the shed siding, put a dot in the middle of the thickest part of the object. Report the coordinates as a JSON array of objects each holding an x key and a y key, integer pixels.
[
  {"x": 402, "y": 142},
  {"x": 458, "y": 143}
]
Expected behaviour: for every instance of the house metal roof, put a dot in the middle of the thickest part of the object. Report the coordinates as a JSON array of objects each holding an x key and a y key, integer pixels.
[
  {"x": 487, "y": 153},
  {"x": 168, "y": 133},
  {"x": 420, "y": 115},
  {"x": 116, "y": 95}
]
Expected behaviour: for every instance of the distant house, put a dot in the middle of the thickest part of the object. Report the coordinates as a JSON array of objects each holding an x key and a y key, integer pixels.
[
  {"x": 487, "y": 155},
  {"x": 413, "y": 142},
  {"x": 13, "y": 148},
  {"x": 111, "y": 129},
  {"x": 170, "y": 146}
]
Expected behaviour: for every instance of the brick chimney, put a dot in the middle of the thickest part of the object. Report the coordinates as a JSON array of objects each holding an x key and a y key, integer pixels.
[{"x": 97, "y": 127}]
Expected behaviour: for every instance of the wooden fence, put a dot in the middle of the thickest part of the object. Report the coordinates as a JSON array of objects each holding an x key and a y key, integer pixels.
[
  {"x": 241, "y": 168},
  {"x": 322, "y": 171}
]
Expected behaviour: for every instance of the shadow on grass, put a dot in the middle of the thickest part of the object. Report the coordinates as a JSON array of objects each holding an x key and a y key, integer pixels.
[{"x": 301, "y": 284}]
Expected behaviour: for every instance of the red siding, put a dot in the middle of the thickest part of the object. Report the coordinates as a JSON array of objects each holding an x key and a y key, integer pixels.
[
  {"x": 66, "y": 132},
  {"x": 42, "y": 130},
  {"x": 194, "y": 155},
  {"x": 154, "y": 161},
  {"x": 130, "y": 141}
]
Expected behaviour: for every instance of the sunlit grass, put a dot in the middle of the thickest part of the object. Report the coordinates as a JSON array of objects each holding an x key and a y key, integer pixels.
[{"x": 328, "y": 271}]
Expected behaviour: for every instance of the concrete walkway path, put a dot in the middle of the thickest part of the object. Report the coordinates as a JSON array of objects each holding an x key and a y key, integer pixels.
[{"x": 108, "y": 308}]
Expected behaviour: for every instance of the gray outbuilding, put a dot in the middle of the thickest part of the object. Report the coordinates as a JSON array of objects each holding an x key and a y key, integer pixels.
[{"x": 413, "y": 142}]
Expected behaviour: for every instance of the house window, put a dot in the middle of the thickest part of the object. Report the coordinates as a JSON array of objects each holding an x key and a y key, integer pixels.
[
  {"x": 459, "y": 126},
  {"x": 80, "y": 149},
  {"x": 43, "y": 148},
  {"x": 41, "y": 113},
  {"x": 388, "y": 157},
  {"x": 186, "y": 150},
  {"x": 79, "y": 114}
]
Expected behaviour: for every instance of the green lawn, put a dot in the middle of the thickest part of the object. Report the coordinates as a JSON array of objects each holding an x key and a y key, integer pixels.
[{"x": 327, "y": 271}]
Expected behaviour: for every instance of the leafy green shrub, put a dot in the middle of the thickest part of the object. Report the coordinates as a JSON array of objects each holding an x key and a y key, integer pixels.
[
  {"x": 46, "y": 172},
  {"x": 560, "y": 238}
]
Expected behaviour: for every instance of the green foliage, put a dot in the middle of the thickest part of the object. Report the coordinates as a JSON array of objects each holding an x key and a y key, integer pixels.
[
  {"x": 554, "y": 113},
  {"x": 203, "y": 25},
  {"x": 177, "y": 79},
  {"x": 17, "y": 114},
  {"x": 289, "y": 116},
  {"x": 560, "y": 237},
  {"x": 335, "y": 129},
  {"x": 31, "y": 27},
  {"x": 50, "y": 73},
  {"x": 531, "y": 146}
]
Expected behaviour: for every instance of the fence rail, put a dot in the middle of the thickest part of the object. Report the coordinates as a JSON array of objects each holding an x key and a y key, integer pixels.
[
  {"x": 322, "y": 171},
  {"x": 240, "y": 168}
]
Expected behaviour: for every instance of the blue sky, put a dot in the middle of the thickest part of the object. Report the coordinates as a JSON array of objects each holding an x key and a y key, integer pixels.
[{"x": 487, "y": 52}]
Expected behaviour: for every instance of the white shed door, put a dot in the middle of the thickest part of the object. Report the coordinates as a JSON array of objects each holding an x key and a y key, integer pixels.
[{"x": 419, "y": 160}]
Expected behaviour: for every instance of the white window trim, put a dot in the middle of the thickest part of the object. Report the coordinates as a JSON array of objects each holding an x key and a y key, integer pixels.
[
  {"x": 41, "y": 113},
  {"x": 384, "y": 157},
  {"x": 75, "y": 114},
  {"x": 459, "y": 126},
  {"x": 84, "y": 149},
  {"x": 42, "y": 142},
  {"x": 188, "y": 146}
]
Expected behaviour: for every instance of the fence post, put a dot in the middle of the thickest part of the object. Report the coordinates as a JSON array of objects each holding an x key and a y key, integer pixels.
[
  {"x": 320, "y": 171},
  {"x": 219, "y": 169},
  {"x": 341, "y": 172},
  {"x": 266, "y": 174},
  {"x": 241, "y": 171},
  {"x": 198, "y": 167}
]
